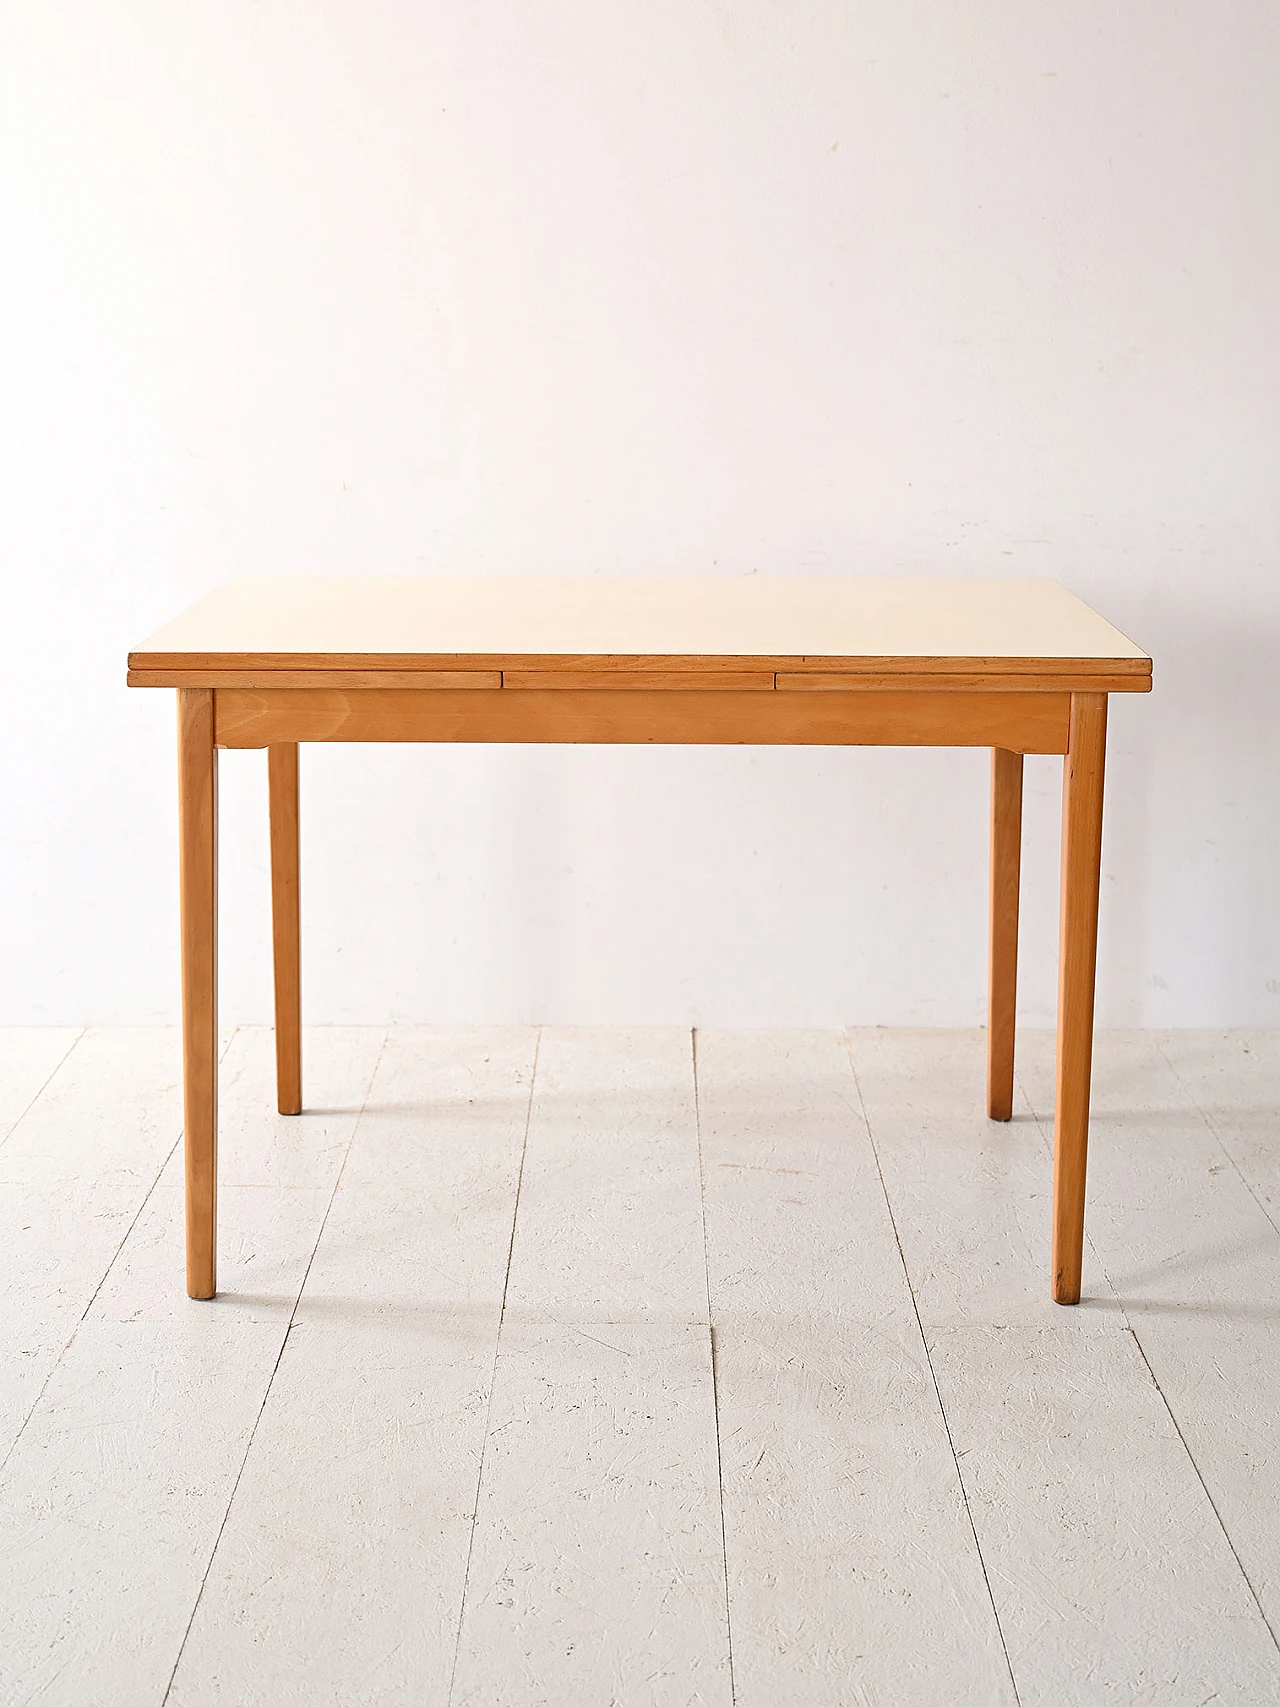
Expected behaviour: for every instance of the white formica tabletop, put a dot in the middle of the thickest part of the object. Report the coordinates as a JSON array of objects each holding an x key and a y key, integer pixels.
[{"x": 427, "y": 622}]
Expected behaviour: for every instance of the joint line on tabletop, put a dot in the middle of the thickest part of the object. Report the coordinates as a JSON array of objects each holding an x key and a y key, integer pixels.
[
  {"x": 284, "y": 1341},
  {"x": 114, "y": 1258},
  {"x": 1164, "y": 1397},
  {"x": 1213, "y": 1128},
  {"x": 493, "y": 1368},
  {"x": 44, "y": 1085},
  {"x": 933, "y": 1374},
  {"x": 711, "y": 1338}
]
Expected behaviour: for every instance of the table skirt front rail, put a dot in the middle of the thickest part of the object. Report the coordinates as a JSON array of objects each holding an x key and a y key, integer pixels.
[{"x": 1024, "y": 721}]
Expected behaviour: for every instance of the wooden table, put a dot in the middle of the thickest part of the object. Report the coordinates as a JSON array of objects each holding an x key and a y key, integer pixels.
[{"x": 1017, "y": 666}]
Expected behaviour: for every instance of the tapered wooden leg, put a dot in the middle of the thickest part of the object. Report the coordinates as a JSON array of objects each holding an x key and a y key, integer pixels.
[
  {"x": 1077, "y": 962},
  {"x": 198, "y": 887},
  {"x": 1002, "y": 988},
  {"x": 286, "y": 927}
]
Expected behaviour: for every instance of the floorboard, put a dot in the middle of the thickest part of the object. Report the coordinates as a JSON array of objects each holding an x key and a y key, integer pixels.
[
  {"x": 610, "y": 1222},
  {"x": 1111, "y": 1574},
  {"x": 1233, "y": 1078},
  {"x": 29, "y": 1057},
  {"x": 339, "y": 1576},
  {"x": 829, "y": 1423},
  {"x": 595, "y": 1368},
  {"x": 115, "y": 1494},
  {"x": 74, "y": 1172},
  {"x": 112, "y": 1501},
  {"x": 1194, "y": 1260},
  {"x": 597, "y": 1572}
]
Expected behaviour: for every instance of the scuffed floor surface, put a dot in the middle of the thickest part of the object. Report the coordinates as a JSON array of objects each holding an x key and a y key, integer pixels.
[{"x": 600, "y": 1368}]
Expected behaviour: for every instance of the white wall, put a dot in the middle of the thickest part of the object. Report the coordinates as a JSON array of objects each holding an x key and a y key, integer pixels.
[{"x": 740, "y": 286}]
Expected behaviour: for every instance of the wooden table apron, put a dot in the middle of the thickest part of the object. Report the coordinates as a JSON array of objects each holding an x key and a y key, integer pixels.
[{"x": 247, "y": 708}]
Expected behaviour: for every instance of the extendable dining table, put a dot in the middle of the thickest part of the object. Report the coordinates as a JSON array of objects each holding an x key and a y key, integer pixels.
[{"x": 1014, "y": 665}]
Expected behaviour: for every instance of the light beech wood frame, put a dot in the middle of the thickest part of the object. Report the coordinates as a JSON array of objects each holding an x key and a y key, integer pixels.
[
  {"x": 1082, "y": 779},
  {"x": 1006, "y": 861},
  {"x": 286, "y": 923},
  {"x": 1029, "y": 672},
  {"x": 198, "y": 902},
  {"x": 1024, "y": 722}
]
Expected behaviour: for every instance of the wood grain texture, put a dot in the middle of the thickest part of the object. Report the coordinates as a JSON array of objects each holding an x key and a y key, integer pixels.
[
  {"x": 259, "y": 1148},
  {"x": 603, "y": 1416},
  {"x": 337, "y": 1577},
  {"x": 1233, "y": 1079},
  {"x": 286, "y": 923},
  {"x": 1182, "y": 1221},
  {"x": 276, "y": 1177},
  {"x": 264, "y": 677},
  {"x": 198, "y": 896},
  {"x": 829, "y": 1425},
  {"x": 152, "y": 1404},
  {"x": 1109, "y": 1587},
  {"x": 148, "y": 1425},
  {"x": 150, "y": 1410},
  {"x": 669, "y": 680},
  {"x": 1029, "y": 722},
  {"x": 994, "y": 678},
  {"x": 1002, "y": 954},
  {"x": 338, "y": 1580},
  {"x": 1083, "y": 772},
  {"x": 612, "y": 1148},
  {"x": 266, "y": 1236},
  {"x": 29, "y": 1057},
  {"x": 743, "y": 622},
  {"x": 423, "y": 1217},
  {"x": 340, "y": 1573},
  {"x": 597, "y": 1572},
  {"x": 1111, "y": 1574},
  {"x": 970, "y": 1196},
  {"x": 74, "y": 1172}
]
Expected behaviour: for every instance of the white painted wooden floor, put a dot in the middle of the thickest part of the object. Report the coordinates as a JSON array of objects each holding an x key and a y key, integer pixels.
[{"x": 592, "y": 1368}]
